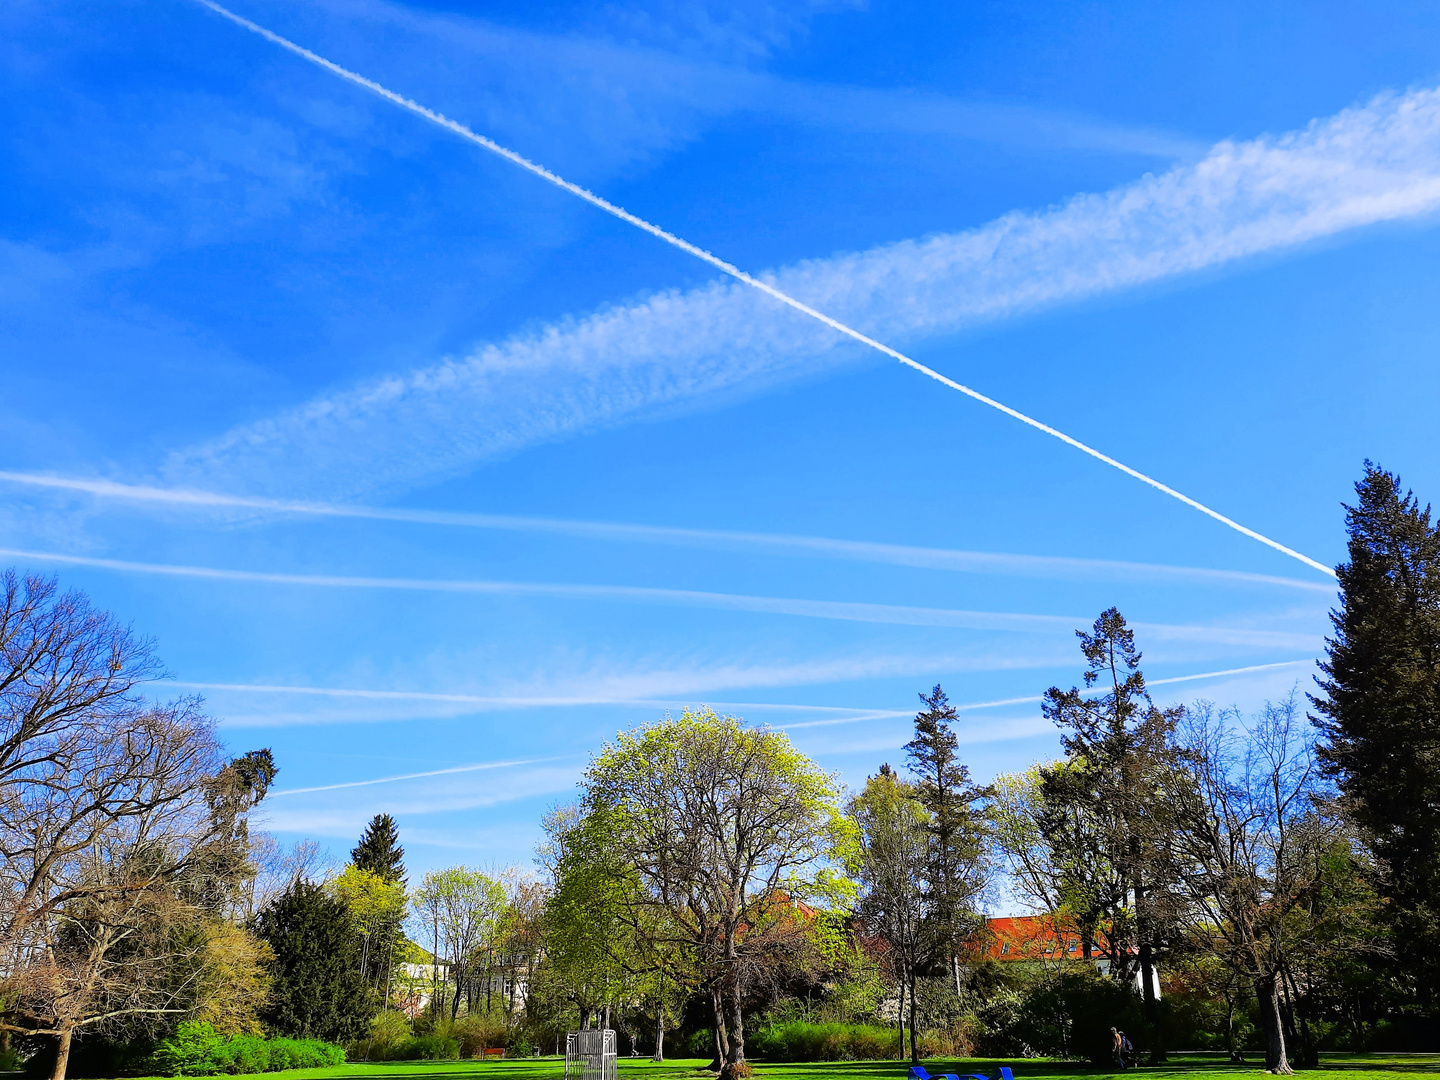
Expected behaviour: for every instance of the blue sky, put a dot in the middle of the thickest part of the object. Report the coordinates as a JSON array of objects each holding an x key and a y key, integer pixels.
[{"x": 598, "y": 480}]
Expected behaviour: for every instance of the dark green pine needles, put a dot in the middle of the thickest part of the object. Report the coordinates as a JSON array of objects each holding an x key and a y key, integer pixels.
[{"x": 379, "y": 850}]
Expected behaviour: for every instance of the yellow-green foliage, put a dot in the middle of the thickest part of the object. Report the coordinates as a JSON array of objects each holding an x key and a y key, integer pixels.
[{"x": 234, "y": 979}]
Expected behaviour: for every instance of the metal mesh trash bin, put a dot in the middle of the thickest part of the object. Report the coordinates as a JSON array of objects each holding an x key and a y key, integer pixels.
[{"x": 590, "y": 1055}]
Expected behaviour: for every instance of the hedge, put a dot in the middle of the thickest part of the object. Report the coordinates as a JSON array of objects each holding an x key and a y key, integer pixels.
[
  {"x": 796, "y": 1040},
  {"x": 197, "y": 1049}
]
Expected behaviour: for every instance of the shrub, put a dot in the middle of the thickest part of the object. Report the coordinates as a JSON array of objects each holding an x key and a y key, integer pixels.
[
  {"x": 435, "y": 1047},
  {"x": 701, "y": 1044},
  {"x": 388, "y": 1030},
  {"x": 1067, "y": 1014},
  {"x": 196, "y": 1049},
  {"x": 475, "y": 1033},
  {"x": 796, "y": 1040}
]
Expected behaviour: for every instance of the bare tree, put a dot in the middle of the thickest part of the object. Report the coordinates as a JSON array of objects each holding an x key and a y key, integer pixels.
[
  {"x": 1247, "y": 846},
  {"x": 118, "y": 818}
]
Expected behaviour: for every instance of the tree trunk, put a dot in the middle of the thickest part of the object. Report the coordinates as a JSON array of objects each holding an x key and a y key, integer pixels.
[
  {"x": 722, "y": 1044},
  {"x": 955, "y": 971},
  {"x": 900, "y": 1018},
  {"x": 914, "y": 1042},
  {"x": 1267, "y": 993},
  {"x": 584, "y": 1017},
  {"x": 1230, "y": 1025},
  {"x": 1149, "y": 980},
  {"x": 659, "y": 1035},
  {"x": 62, "y": 1055},
  {"x": 737, "y": 1025},
  {"x": 1307, "y": 1054}
]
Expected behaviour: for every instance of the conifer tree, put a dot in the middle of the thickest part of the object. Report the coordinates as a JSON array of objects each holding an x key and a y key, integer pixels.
[
  {"x": 956, "y": 847},
  {"x": 1380, "y": 715},
  {"x": 1107, "y": 806},
  {"x": 319, "y": 991},
  {"x": 379, "y": 850}
]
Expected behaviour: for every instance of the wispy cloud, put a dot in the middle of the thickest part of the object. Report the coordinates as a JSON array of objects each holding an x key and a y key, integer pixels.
[
  {"x": 973, "y": 706},
  {"x": 778, "y": 714},
  {"x": 1379, "y": 162},
  {"x": 983, "y": 562},
  {"x": 840, "y": 610},
  {"x": 608, "y": 93},
  {"x": 343, "y": 811},
  {"x": 452, "y": 770}
]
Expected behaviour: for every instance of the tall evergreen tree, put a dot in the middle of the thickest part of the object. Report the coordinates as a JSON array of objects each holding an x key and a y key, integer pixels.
[
  {"x": 379, "y": 850},
  {"x": 957, "y": 844},
  {"x": 319, "y": 991},
  {"x": 1380, "y": 715}
]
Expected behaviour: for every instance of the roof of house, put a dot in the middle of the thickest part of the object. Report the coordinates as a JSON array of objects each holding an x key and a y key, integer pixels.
[{"x": 1030, "y": 937}]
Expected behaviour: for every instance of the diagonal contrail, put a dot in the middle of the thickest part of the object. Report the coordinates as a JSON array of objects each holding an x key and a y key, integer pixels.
[{"x": 740, "y": 275}]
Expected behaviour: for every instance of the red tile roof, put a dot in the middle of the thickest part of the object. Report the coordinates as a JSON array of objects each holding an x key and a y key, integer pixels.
[{"x": 1030, "y": 937}]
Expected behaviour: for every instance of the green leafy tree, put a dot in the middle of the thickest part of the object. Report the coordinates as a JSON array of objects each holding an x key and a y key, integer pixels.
[
  {"x": 893, "y": 862},
  {"x": 377, "y": 908},
  {"x": 317, "y": 988},
  {"x": 1380, "y": 713},
  {"x": 586, "y": 943},
  {"x": 722, "y": 826},
  {"x": 1017, "y": 815},
  {"x": 463, "y": 911}
]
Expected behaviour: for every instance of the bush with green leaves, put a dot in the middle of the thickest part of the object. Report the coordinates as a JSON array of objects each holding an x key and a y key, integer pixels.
[
  {"x": 388, "y": 1029},
  {"x": 796, "y": 1040},
  {"x": 1062, "y": 1012},
  {"x": 197, "y": 1049}
]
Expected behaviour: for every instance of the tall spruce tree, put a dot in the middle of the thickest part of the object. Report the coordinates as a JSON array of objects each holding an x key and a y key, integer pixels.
[
  {"x": 957, "y": 841},
  {"x": 379, "y": 850},
  {"x": 1380, "y": 715}
]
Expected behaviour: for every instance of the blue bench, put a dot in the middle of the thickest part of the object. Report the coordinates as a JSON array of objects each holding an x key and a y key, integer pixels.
[{"x": 918, "y": 1072}]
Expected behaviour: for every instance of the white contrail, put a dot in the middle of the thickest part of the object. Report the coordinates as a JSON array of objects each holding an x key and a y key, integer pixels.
[
  {"x": 740, "y": 275},
  {"x": 841, "y": 610},
  {"x": 478, "y": 767},
  {"x": 824, "y": 546},
  {"x": 853, "y": 714},
  {"x": 1031, "y": 699}
]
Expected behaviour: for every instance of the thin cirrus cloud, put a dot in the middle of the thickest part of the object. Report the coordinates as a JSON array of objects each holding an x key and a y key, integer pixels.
[
  {"x": 644, "y": 685},
  {"x": 331, "y": 812},
  {"x": 838, "y": 610},
  {"x": 595, "y": 102},
  {"x": 1045, "y": 566},
  {"x": 698, "y": 682},
  {"x": 1369, "y": 164}
]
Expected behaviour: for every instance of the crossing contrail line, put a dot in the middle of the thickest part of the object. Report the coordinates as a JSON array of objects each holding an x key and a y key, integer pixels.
[{"x": 740, "y": 275}]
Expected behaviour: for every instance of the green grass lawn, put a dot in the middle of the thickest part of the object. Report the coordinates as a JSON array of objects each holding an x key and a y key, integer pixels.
[{"x": 1201, "y": 1066}]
